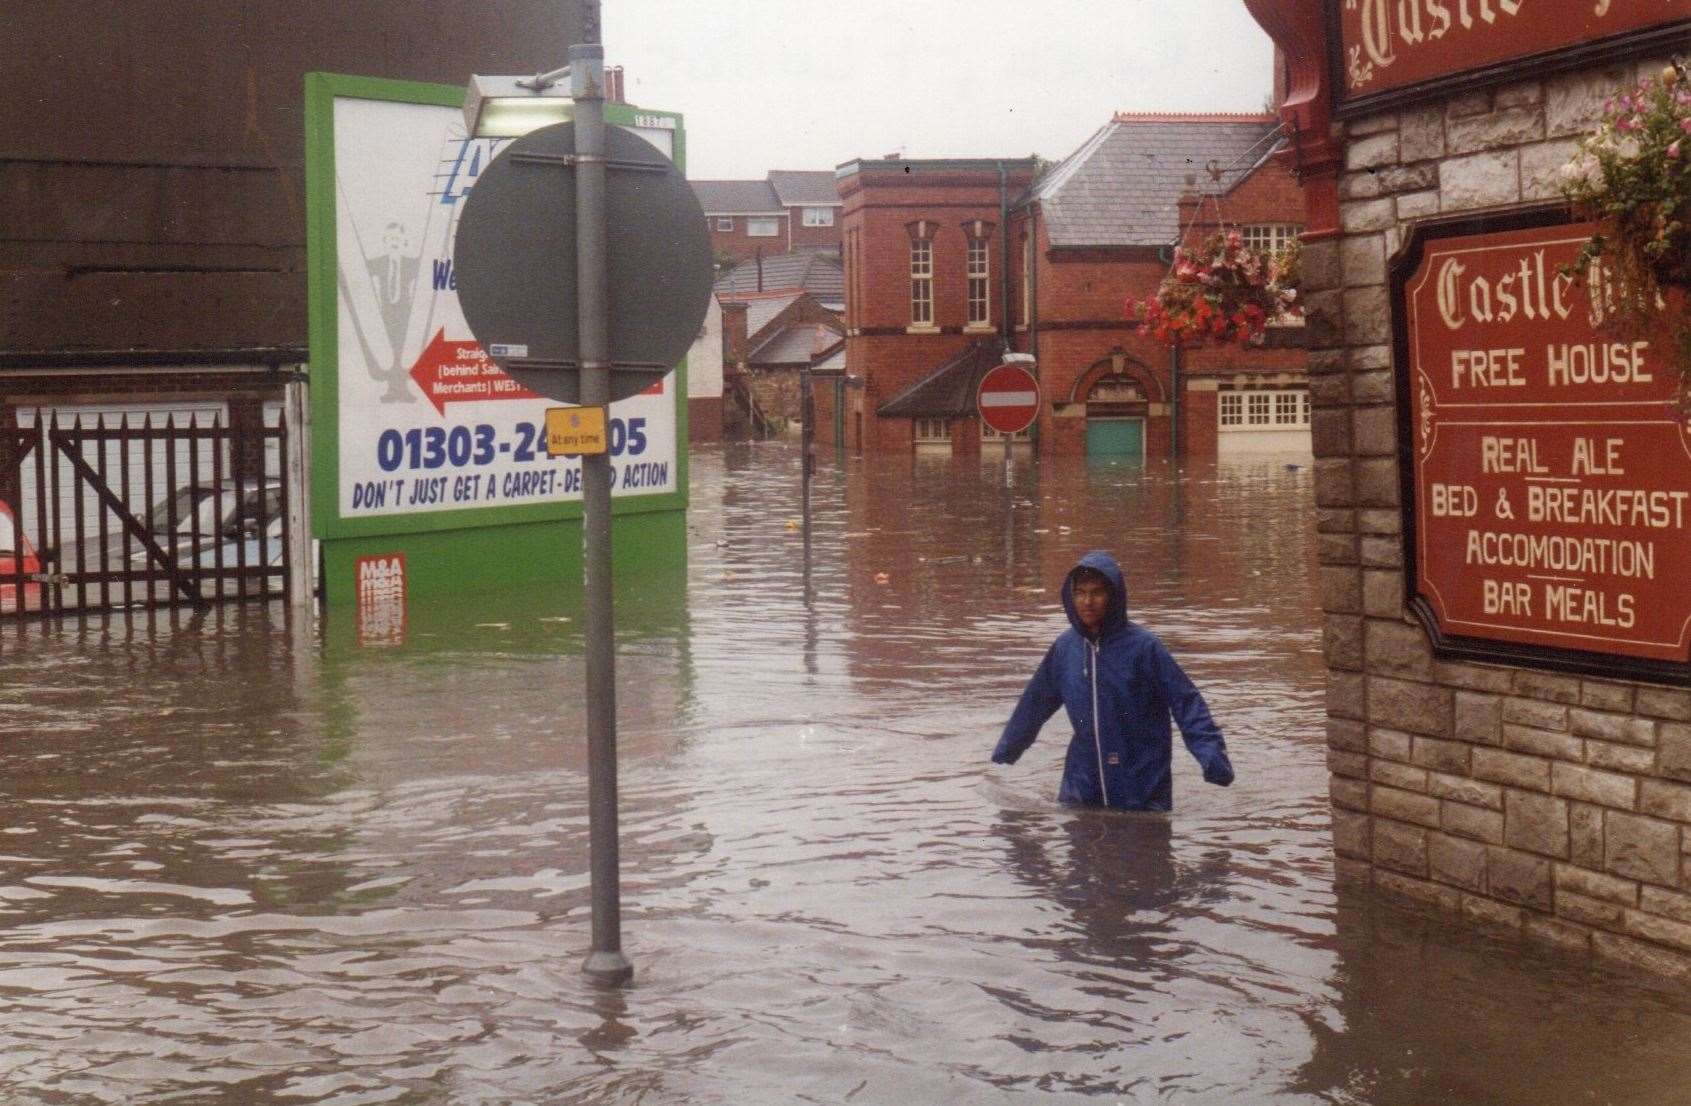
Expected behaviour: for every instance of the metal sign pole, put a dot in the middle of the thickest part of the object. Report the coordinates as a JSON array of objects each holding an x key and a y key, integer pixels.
[
  {"x": 807, "y": 449},
  {"x": 605, "y": 964}
]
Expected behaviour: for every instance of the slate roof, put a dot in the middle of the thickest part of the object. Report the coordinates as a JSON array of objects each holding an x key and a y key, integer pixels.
[
  {"x": 835, "y": 362},
  {"x": 819, "y": 273},
  {"x": 804, "y": 186},
  {"x": 736, "y": 197},
  {"x": 949, "y": 391},
  {"x": 761, "y": 308},
  {"x": 798, "y": 344},
  {"x": 1123, "y": 186}
]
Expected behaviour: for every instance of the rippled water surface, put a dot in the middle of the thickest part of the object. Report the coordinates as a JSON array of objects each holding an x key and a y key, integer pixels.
[{"x": 244, "y": 861}]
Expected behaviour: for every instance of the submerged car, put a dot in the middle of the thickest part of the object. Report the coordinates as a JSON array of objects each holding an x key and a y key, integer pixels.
[{"x": 200, "y": 523}]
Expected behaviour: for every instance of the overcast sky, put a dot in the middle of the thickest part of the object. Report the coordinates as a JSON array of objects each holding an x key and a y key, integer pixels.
[{"x": 807, "y": 84}]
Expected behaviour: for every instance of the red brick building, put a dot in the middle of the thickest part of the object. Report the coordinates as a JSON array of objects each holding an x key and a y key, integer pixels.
[
  {"x": 1094, "y": 232},
  {"x": 925, "y": 257},
  {"x": 790, "y": 210}
]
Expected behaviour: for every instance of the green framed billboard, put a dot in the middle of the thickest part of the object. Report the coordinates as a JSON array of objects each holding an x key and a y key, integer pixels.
[{"x": 424, "y": 454}]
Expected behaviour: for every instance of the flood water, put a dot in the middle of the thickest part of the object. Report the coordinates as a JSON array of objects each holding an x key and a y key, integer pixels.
[{"x": 249, "y": 861}]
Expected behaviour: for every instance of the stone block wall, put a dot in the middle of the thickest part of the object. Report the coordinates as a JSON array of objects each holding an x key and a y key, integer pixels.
[{"x": 1556, "y": 806}]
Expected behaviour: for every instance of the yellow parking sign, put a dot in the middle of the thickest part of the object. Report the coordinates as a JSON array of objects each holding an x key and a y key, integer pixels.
[{"x": 573, "y": 430}]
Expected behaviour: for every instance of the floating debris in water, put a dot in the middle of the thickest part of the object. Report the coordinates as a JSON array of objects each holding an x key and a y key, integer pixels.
[
  {"x": 493, "y": 625},
  {"x": 882, "y": 578}
]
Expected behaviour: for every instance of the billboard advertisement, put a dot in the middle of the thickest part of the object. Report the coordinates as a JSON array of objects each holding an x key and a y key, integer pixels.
[{"x": 415, "y": 430}]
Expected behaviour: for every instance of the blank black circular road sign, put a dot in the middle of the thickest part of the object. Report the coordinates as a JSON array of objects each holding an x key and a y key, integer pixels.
[{"x": 514, "y": 257}]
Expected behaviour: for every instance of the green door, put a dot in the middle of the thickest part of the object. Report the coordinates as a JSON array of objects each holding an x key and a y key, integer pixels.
[{"x": 1115, "y": 438}]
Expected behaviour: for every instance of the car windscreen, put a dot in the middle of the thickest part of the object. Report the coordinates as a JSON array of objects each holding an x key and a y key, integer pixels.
[{"x": 180, "y": 507}]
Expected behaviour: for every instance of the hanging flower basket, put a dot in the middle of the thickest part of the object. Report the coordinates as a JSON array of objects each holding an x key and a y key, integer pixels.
[
  {"x": 1222, "y": 292},
  {"x": 1632, "y": 176}
]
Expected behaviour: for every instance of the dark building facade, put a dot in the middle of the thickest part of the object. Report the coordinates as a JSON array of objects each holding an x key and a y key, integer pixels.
[{"x": 152, "y": 156}]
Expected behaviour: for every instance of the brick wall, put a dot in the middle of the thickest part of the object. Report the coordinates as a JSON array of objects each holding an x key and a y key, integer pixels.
[
  {"x": 1270, "y": 195},
  {"x": 739, "y": 245},
  {"x": 822, "y": 391},
  {"x": 813, "y": 238},
  {"x": 1557, "y": 806},
  {"x": 704, "y": 419},
  {"x": 880, "y": 212}
]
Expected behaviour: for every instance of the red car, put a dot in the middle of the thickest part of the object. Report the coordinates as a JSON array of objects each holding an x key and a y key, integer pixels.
[{"x": 12, "y": 546}]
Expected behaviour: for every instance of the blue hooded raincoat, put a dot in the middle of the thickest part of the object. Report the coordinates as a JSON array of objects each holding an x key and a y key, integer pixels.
[{"x": 1119, "y": 691}]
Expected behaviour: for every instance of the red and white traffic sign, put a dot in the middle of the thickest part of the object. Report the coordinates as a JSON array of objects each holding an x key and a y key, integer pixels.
[{"x": 1009, "y": 398}]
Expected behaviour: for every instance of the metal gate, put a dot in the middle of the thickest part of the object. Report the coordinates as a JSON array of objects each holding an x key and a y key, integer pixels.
[{"x": 141, "y": 513}]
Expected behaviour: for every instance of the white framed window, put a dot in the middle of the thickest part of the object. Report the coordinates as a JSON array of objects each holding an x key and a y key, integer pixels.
[
  {"x": 980, "y": 271},
  {"x": 725, "y": 222},
  {"x": 1282, "y": 409},
  {"x": 818, "y": 216},
  {"x": 763, "y": 228},
  {"x": 932, "y": 430},
  {"x": 1232, "y": 408},
  {"x": 988, "y": 434},
  {"x": 921, "y": 282},
  {"x": 1269, "y": 239}
]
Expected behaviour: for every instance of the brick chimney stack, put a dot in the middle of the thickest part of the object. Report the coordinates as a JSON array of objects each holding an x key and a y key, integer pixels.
[
  {"x": 1191, "y": 201},
  {"x": 733, "y": 334}
]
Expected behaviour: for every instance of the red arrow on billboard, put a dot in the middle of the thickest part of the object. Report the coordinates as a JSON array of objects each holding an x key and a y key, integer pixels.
[
  {"x": 461, "y": 372},
  {"x": 1008, "y": 399}
]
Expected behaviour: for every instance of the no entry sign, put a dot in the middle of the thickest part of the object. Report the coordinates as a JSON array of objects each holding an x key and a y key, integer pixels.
[{"x": 1008, "y": 399}]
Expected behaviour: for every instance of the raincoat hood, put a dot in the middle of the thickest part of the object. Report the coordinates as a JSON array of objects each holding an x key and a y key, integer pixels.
[{"x": 1116, "y": 617}]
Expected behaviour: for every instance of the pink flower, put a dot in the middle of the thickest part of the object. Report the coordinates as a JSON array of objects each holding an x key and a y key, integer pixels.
[
  {"x": 1673, "y": 149},
  {"x": 1685, "y": 125}
]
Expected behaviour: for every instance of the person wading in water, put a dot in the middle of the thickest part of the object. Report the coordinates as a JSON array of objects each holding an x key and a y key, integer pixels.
[{"x": 1120, "y": 685}]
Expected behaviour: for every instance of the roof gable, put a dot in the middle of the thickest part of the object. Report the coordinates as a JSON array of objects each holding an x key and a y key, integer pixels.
[{"x": 795, "y": 344}]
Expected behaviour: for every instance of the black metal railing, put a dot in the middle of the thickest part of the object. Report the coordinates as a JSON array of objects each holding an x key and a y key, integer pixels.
[{"x": 141, "y": 513}]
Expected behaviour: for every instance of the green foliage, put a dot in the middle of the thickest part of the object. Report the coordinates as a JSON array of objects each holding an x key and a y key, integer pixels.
[{"x": 1632, "y": 175}]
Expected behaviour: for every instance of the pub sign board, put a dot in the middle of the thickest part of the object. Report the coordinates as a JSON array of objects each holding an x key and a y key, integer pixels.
[
  {"x": 1386, "y": 53},
  {"x": 1544, "y": 459}
]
